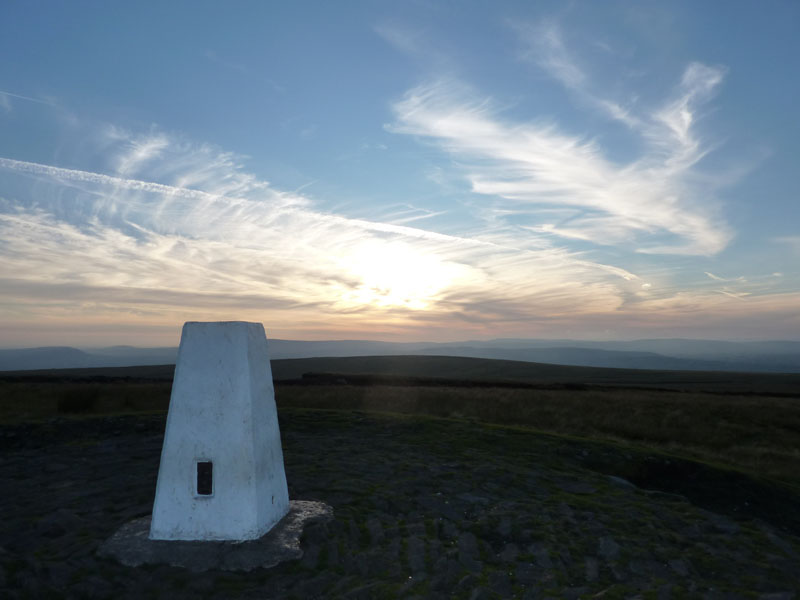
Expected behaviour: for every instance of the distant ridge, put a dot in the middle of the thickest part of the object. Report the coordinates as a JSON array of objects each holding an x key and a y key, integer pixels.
[
  {"x": 50, "y": 357},
  {"x": 64, "y": 357},
  {"x": 449, "y": 370},
  {"x": 659, "y": 354}
]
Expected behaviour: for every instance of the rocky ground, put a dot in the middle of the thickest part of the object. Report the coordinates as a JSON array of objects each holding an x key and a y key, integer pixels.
[{"x": 423, "y": 508}]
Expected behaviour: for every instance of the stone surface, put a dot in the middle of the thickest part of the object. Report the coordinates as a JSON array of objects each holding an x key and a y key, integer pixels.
[
  {"x": 221, "y": 413},
  {"x": 132, "y": 547},
  {"x": 380, "y": 475}
]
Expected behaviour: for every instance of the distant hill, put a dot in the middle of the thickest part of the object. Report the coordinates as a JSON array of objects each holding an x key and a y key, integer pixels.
[
  {"x": 677, "y": 354},
  {"x": 508, "y": 371},
  {"x": 584, "y": 357},
  {"x": 664, "y": 354},
  {"x": 64, "y": 357},
  {"x": 464, "y": 370},
  {"x": 60, "y": 357}
]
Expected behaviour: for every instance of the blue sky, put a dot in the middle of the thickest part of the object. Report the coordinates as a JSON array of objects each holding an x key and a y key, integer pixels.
[{"x": 399, "y": 171}]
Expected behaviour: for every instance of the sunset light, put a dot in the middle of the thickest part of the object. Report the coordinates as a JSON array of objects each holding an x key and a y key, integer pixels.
[
  {"x": 394, "y": 275},
  {"x": 527, "y": 170}
]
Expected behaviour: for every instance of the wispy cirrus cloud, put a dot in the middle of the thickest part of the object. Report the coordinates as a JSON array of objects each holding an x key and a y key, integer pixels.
[
  {"x": 668, "y": 129},
  {"x": 718, "y": 278},
  {"x": 535, "y": 165},
  {"x": 682, "y": 148},
  {"x": 764, "y": 284},
  {"x": 98, "y": 248},
  {"x": 655, "y": 202},
  {"x": 217, "y": 205},
  {"x": 543, "y": 44},
  {"x": 406, "y": 40},
  {"x": 142, "y": 150},
  {"x": 153, "y": 244}
]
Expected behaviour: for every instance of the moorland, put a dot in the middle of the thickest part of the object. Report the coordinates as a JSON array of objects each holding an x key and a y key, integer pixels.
[
  {"x": 743, "y": 420},
  {"x": 447, "y": 476}
]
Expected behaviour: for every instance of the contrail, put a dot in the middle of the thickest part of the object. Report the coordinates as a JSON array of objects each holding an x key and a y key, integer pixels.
[
  {"x": 191, "y": 194},
  {"x": 28, "y": 98},
  {"x": 99, "y": 178}
]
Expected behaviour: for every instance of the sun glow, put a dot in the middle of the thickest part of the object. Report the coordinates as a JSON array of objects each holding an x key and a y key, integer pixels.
[{"x": 396, "y": 275}]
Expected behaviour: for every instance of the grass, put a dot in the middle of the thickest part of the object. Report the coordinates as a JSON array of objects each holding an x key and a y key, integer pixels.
[
  {"x": 759, "y": 434},
  {"x": 756, "y": 433},
  {"x": 480, "y": 369},
  {"x": 32, "y": 401}
]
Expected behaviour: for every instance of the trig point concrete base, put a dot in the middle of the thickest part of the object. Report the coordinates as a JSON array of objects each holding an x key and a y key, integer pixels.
[
  {"x": 221, "y": 475},
  {"x": 131, "y": 546}
]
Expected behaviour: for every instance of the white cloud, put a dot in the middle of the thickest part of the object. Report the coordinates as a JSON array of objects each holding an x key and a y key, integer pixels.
[
  {"x": 731, "y": 294},
  {"x": 536, "y": 166},
  {"x": 403, "y": 39},
  {"x": 150, "y": 241},
  {"x": 682, "y": 147},
  {"x": 78, "y": 176},
  {"x": 141, "y": 150},
  {"x": 195, "y": 236},
  {"x": 546, "y": 47},
  {"x": 674, "y": 148}
]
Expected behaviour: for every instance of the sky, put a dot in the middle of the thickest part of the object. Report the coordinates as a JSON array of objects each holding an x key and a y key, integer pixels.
[{"x": 400, "y": 171}]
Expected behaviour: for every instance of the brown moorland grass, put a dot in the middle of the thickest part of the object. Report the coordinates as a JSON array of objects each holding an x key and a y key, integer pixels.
[
  {"x": 759, "y": 434},
  {"x": 32, "y": 401}
]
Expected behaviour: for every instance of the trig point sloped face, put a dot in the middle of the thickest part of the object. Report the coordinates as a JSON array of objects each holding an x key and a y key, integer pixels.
[{"x": 221, "y": 475}]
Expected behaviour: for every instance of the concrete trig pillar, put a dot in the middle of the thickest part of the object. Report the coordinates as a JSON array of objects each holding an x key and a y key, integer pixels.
[{"x": 221, "y": 475}]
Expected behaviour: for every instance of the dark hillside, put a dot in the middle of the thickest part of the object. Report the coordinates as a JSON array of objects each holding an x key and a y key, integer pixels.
[
  {"x": 468, "y": 370},
  {"x": 480, "y": 369}
]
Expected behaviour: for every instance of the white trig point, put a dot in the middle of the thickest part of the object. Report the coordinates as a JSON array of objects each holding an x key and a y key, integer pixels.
[{"x": 221, "y": 475}]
